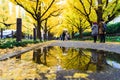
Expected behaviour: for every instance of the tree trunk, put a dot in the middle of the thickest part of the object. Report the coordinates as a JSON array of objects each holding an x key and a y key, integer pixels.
[
  {"x": 1, "y": 33},
  {"x": 72, "y": 33},
  {"x": 80, "y": 32},
  {"x": 45, "y": 33},
  {"x": 39, "y": 30},
  {"x": 45, "y": 55},
  {"x": 99, "y": 11},
  {"x": 101, "y": 60},
  {"x": 34, "y": 34},
  {"x": 89, "y": 21}
]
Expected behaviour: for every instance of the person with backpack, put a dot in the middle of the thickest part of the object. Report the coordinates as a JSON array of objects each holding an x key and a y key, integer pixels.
[
  {"x": 102, "y": 31},
  {"x": 94, "y": 31}
]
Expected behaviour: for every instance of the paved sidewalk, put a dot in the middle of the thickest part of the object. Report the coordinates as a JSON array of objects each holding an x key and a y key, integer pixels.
[{"x": 108, "y": 46}]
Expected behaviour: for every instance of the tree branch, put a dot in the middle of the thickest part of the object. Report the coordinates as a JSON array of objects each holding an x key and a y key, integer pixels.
[
  {"x": 25, "y": 9},
  {"x": 7, "y": 25},
  {"x": 48, "y": 8},
  {"x": 52, "y": 14},
  {"x": 79, "y": 10}
]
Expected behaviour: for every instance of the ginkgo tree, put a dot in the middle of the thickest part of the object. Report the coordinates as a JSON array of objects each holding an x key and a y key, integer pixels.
[
  {"x": 77, "y": 22},
  {"x": 6, "y": 20},
  {"x": 83, "y": 7},
  {"x": 95, "y": 10},
  {"x": 91, "y": 11},
  {"x": 80, "y": 24},
  {"x": 39, "y": 10},
  {"x": 73, "y": 21},
  {"x": 106, "y": 9},
  {"x": 49, "y": 24},
  {"x": 111, "y": 9}
]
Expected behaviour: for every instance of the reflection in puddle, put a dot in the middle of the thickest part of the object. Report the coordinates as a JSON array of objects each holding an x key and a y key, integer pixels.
[
  {"x": 71, "y": 58},
  {"x": 49, "y": 60}
]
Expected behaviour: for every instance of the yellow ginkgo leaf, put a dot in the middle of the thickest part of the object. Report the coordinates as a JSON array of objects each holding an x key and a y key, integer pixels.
[{"x": 80, "y": 75}]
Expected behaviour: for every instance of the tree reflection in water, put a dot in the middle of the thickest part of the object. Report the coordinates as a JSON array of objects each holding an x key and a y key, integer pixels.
[
  {"x": 18, "y": 57},
  {"x": 38, "y": 54},
  {"x": 77, "y": 59},
  {"x": 83, "y": 59},
  {"x": 59, "y": 60},
  {"x": 101, "y": 60},
  {"x": 70, "y": 58},
  {"x": 98, "y": 58},
  {"x": 64, "y": 50}
]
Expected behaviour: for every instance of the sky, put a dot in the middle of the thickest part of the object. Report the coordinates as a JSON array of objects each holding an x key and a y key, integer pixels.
[{"x": 117, "y": 19}]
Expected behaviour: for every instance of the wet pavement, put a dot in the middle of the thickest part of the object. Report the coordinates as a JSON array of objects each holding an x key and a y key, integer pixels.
[
  {"x": 109, "y": 74},
  {"x": 108, "y": 46}
]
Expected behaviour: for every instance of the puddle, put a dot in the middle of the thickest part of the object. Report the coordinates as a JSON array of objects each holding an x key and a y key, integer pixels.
[{"x": 44, "y": 63}]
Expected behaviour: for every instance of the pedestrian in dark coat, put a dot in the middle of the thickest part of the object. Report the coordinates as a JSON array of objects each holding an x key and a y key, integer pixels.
[
  {"x": 63, "y": 35},
  {"x": 102, "y": 31}
]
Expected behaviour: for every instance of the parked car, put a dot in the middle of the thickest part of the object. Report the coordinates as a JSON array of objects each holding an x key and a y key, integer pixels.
[{"x": 8, "y": 33}]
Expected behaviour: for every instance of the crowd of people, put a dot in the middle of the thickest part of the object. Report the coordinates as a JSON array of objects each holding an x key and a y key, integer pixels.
[{"x": 99, "y": 29}]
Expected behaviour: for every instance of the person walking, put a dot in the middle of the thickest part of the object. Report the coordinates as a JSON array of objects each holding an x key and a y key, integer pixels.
[
  {"x": 67, "y": 36},
  {"x": 102, "y": 31},
  {"x": 63, "y": 35},
  {"x": 95, "y": 31}
]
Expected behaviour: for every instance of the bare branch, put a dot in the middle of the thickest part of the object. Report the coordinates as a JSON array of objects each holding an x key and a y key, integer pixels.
[
  {"x": 79, "y": 10},
  {"x": 7, "y": 25},
  {"x": 90, "y": 3},
  {"x": 83, "y": 7},
  {"x": 48, "y": 8},
  {"x": 106, "y": 3}
]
